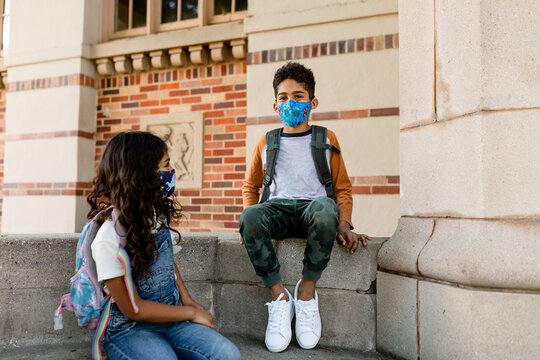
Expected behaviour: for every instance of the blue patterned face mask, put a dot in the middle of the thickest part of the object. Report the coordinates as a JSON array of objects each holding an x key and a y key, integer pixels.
[
  {"x": 294, "y": 113},
  {"x": 168, "y": 182}
]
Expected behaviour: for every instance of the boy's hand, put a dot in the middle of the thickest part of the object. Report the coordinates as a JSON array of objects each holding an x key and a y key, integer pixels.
[
  {"x": 349, "y": 238},
  {"x": 241, "y": 240}
]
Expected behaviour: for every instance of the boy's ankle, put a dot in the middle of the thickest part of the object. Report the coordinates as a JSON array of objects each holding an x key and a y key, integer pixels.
[
  {"x": 277, "y": 290},
  {"x": 306, "y": 290}
]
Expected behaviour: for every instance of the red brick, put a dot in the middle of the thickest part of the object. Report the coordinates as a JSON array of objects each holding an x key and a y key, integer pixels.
[
  {"x": 201, "y": 107},
  {"x": 240, "y": 135},
  {"x": 233, "y": 209},
  {"x": 237, "y": 112},
  {"x": 196, "y": 216},
  {"x": 241, "y": 103},
  {"x": 112, "y": 122},
  {"x": 325, "y": 116},
  {"x": 119, "y": 98},
  {"x": 235, "y": 144},
  {"x": 149, "y": 103},
  {"x": 393, "y": 179},
  {"x": 213, "y": 176},
  {"x": 189, "y": 192},
  {"x": 140, "y": 112},
  {"x": 216, "y": 113},
  {"x": 384, "y": 112},
  {"x": 179, "y": 93},
  {"x": 223, "y": 217},
  {"x": 231, "y": 225},
  {"x": 239, "y": 95},
  {"x": 201, "y": 201},
  {"x": 222, "y": 168},
  {"x": 235, "y": 128},
  {"x": 223, "y": 201},
  {"x": 233, "y": 193},
  {"x": 224, "y": 105},
  {"x": 159, "y": 111},
  {"x": 215, "y": 81},
  {"x": 138, "y": 97},
  {"x": 131, "y": 121},
  {"x": 212, "y": 193},
  {"x": 191, "y": 208},
  {"x": 190, "y": 84},
  {"x": 223, "y": 152},
  {"x": 223, "y": 88},
  {"x": 224, "y": 121},
  {"x": 354, "y": 114},
  {"x": 233, "y": 176},
  {"x": 385, "y": 189},
  {"x": 225, "y": 184},
  {"x": 361, "y": 190},
  {"x": 192, "y": 99},
  {"x": 169, "y": 86},
  {"x": 213, "y": 144},
  {"x": 149, "y": 88},
  {"x": 170, "y": 101},
  {"x": 232, "y": 160},
  {"x": 104, "y": 100}
]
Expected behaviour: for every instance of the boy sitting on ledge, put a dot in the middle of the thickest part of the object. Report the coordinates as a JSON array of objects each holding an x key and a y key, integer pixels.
[{"x": 307, "y": 193}]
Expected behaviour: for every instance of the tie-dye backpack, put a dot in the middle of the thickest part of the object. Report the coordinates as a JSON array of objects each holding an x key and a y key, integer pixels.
[{"x": 86, "y": 298}]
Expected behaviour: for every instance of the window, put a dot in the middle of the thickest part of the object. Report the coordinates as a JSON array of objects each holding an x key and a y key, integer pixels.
[
  {"x": 125, "y": 18},
  {"x": 227, "y": 10},
  {"x": 4, "y": 26}
]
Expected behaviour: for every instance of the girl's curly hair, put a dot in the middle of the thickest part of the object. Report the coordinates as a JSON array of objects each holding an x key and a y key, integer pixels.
[{"x": 127, "y": 179}]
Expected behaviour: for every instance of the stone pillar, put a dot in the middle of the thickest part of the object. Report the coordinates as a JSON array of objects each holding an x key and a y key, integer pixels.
[
  {"x": 460, "y": 277},
  {"x": 50, "y": 119}
]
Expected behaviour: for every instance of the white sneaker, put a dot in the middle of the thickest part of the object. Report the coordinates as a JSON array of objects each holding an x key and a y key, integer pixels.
[
  {"x": 278, "y": 331},
  {"x": 308, "y": 320}
]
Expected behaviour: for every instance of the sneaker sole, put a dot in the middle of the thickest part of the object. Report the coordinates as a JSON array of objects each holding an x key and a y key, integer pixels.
[{"x": 277, "y": 350}]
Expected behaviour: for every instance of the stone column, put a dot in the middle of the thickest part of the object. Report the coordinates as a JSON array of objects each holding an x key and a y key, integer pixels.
[
  {"x": 460, "y": 278},
  {"x": 50, "y": 119}
]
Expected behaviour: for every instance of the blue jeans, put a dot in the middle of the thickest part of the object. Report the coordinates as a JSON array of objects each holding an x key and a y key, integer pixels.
[{"x": 127, "y": 339}]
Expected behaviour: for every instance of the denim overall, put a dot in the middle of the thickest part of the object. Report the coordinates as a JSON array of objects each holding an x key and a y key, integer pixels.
[{"x": 128, "y": 339}]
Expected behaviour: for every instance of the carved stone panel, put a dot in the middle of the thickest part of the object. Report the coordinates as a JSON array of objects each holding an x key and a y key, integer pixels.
[{"x": 183, "y": 134}]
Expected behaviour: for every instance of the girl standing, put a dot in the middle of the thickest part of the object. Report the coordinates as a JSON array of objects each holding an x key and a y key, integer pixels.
[{"x": 136, "y": 178}]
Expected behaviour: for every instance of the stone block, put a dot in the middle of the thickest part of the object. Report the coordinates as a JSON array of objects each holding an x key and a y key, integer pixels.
[
  {"x": 495, "y": 254},
  {"x": 441, "y": 175},
  {"x": 27, "y": 316},
  {"x": 27, "y": 261},
  {"x": 351, "y": 272},
  {"x": 240, "y": 309},
  {"x": 232, "y": 263},
  {"x": 396, "y": 315},
  {"x": 400, "y": 252},
  {"x": 457, "y": 323},
  {"x": 196, "y": 260},
  {"x": 458, "y": 57},
  {"x": 203, "y": 293},
  {"x": 348, "y": 318},
  {"x": 416, "y": 66}
]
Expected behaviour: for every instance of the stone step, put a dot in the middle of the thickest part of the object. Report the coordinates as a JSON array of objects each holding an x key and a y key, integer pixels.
[
  {"x": 250, "y": 349},
  {"x": 35, "y": 273}
]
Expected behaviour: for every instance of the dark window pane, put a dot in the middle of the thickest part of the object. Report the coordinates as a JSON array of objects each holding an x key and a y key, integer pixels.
[
  {"x": 190, "y": 9},
  {"x": 222, "y": 7},
  {"x": 241, "y": 5},
  {"x": 121, "y": 15},
  {"x": 139, "y": 13},
  {"x": 169, "y": 11}
]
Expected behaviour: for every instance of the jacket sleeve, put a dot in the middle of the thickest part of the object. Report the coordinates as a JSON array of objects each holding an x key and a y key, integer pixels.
[
  {"x": 341, "y": 182},
  {"x": 254, "y": 176}
]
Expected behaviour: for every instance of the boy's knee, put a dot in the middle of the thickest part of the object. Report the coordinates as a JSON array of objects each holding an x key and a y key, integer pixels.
[
  {"x": 250, "y": 219},
  {"x": 324, "y": 211}
]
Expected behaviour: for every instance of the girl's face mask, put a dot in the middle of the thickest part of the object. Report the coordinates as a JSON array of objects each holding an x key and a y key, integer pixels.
[
  {"x": 168, "y": 182},
  {"x": 294, "y": 113}
]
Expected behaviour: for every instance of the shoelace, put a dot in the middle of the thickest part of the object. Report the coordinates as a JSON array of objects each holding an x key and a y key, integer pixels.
[
  {"x": 306, "y": 313},
  {"x": 278, "y": 313}
]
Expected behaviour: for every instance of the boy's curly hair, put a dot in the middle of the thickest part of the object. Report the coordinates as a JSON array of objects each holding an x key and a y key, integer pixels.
[
  {"x": 298, "y": 72},
  {"x": 127, "y": 179}
]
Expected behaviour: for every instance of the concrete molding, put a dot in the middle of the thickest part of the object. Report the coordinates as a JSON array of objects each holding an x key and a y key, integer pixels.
[
  {"x": 140, "y": 62},
  {"x": 400, "y": 253},
  {"x": 122, "y": 64},
  {"x": 105, "y": 67},
  {"x": 219, "y": 51},
  {"x": 179, "y": 57},
  {"x": 239, "y": 48},
  {"x": 159, "y": 59},
  {"x": 198, "y": 55}
]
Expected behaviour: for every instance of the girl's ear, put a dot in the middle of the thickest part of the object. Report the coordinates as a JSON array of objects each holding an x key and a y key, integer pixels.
[{"x": 314, "y": 103}]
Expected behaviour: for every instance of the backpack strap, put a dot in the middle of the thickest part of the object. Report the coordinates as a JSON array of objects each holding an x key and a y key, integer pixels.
[
  {"x": 318, "y": 152},
  {"x": 272, "y": 150},
  {"x": 100, "y": 330}
]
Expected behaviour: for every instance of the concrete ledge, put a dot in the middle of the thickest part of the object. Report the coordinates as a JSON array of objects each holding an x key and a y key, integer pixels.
[{"x": 35, "y": 272}]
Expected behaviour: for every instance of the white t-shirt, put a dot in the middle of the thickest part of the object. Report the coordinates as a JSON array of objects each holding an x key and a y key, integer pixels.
[
  {"x": 105, "y": 252},
  {"x": 295, "y": 175}
]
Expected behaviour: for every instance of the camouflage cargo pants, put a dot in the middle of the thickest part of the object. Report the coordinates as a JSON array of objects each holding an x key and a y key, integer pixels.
[{"x": 316, "y": 220}]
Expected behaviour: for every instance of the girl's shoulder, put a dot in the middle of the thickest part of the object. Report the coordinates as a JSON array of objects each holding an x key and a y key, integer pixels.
[{"x": 107, "y": 234}]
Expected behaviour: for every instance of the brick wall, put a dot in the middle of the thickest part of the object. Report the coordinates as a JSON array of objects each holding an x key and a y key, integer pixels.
[{"x": 220, "y": 92}]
